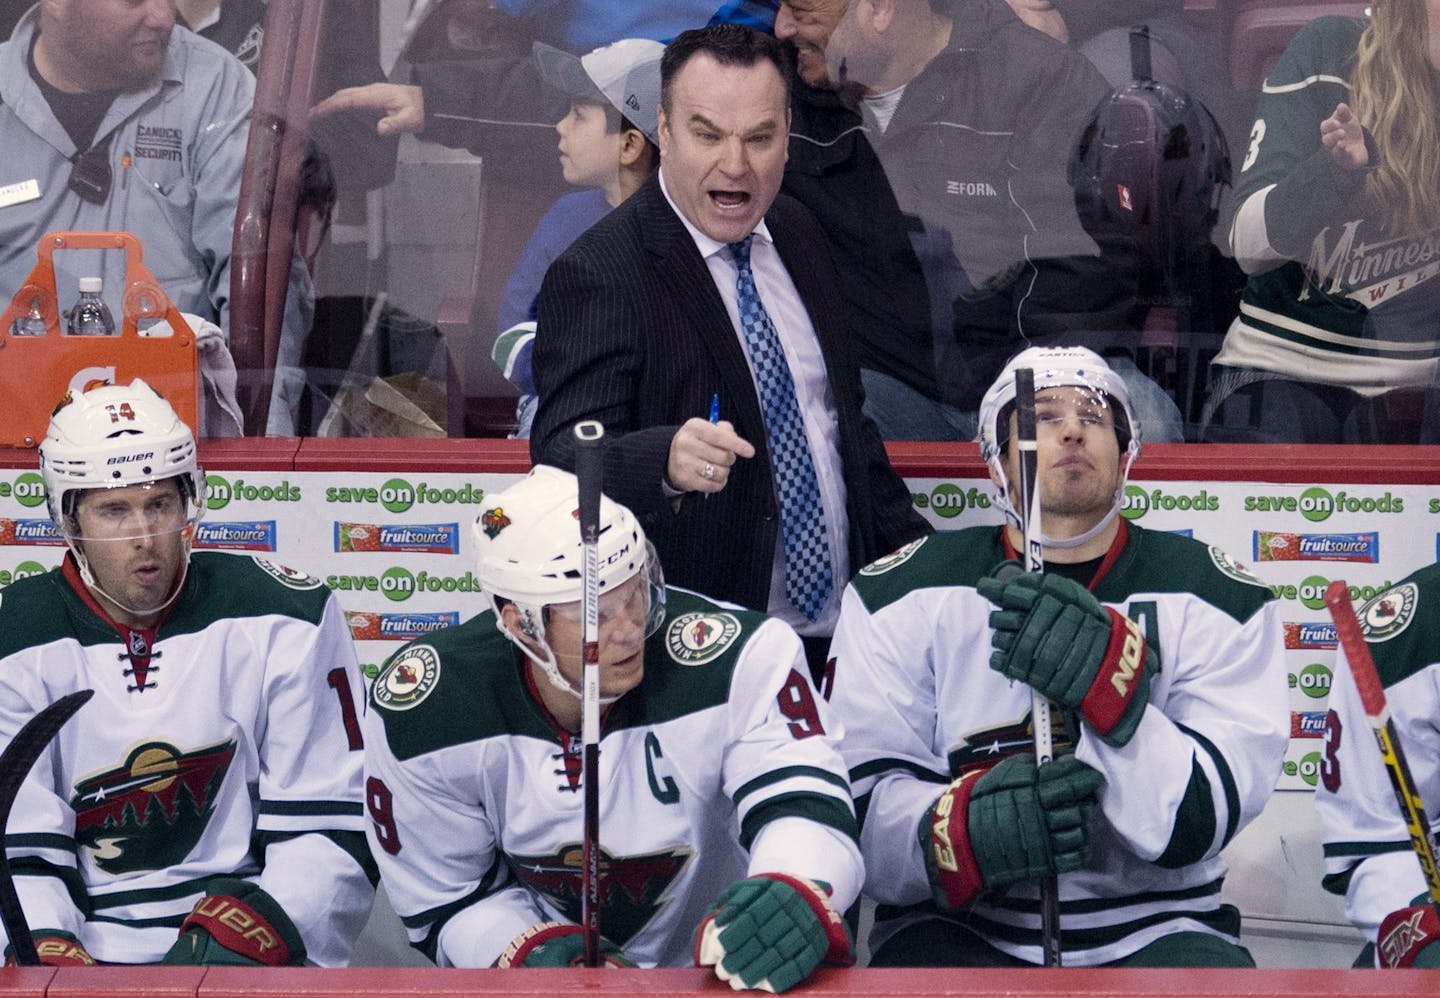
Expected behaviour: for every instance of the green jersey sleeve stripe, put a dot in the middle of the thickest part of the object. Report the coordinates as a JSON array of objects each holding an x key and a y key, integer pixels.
[
  {"x": 785, "y": 773},
  {"x": 879, "y": 767},
  {"x": 161, "y": 922},
  {"x": 1227, "y": 781},
  {"x": 347, "y": 809},
  {"x": 814, "y": 807},
  {"x": 150, "y": 895},
  {"x": 39, "y": 840},
  {"x": 1341, "y": 850}
]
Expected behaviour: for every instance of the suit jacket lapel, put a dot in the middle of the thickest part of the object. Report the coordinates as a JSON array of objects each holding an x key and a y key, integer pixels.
[{"x": 681, "y": 267}]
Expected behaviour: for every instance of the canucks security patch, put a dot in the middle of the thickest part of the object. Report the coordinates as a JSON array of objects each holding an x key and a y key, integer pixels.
[
  {"x": 408, "y": 679},
  {"x": 894, "y": 559},
  {"x": 288, "y": 576},
  {"x": 1389, "y": 613},
  {"x": 697, "y": 638},
  {"x": 1229, "y": 566}
]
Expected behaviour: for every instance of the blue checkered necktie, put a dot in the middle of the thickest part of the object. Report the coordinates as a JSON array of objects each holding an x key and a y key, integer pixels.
[{"x": 808, "y": 576}]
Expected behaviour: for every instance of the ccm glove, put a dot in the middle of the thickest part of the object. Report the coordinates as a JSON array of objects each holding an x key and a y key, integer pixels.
[
  {"x": 1013, "y": 822},
  {"x": 56, "y": 948},
  {"x": 237, "y": 924},
  {"x": 1410, "y": 937},
  {"x": 1051, "y": 634},
  {"x": 557, "y": 944},
  {"x": 770, "y": 931}
]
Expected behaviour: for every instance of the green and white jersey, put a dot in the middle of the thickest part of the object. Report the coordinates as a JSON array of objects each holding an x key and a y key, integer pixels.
[
  {"x": 475, "y": 795},
  {"x": 223, "y": 743},
  {"x": 1368, "y": 857},
  {"x": 914, "y": 689},
  {"x": 1332, "y": 297}
]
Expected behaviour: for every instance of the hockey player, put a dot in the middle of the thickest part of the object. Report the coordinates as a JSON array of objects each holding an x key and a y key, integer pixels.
[
  {"x": 714, "y": 746},
  {"x": 1368, "y": 857},
  {"x": 205, "y": 806},
  {"x": 1164, "y": 660}
]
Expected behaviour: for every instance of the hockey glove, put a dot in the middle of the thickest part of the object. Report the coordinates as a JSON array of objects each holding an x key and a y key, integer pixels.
[
  {"x": 557, "y": 944},
  {"x": 770, "y": 931},
  {"x": 237, "y": 924},
  {"x": 1410, "y": 937},
  {"x": 1053, "y": 635},
  {"x": 56, "y": 948},
  {"x": 1014, "y": 822}
]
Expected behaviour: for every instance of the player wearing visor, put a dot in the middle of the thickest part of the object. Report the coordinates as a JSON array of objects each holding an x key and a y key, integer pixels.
[
  {"x": 726, "y": 826},
  {"x": 1163, "y": 658},
  {"x": 204, "y": 806}
]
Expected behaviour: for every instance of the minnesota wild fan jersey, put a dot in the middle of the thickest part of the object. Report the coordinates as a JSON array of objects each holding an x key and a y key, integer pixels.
[
  {"x": 475, "y": 795},
  {"x": 1368, "y": 857},
  {"x": 223, "y": 743},
  {"x": 919, "y": 702},
  {"x": 1332, "y": 297}
]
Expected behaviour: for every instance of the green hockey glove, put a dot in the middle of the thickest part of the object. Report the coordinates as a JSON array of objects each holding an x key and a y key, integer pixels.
[
  {"x": 557, "y": 944},
  {"x": 1013, "y": 822},
  {"x": 1051, "y": 634},
  {"x": 56, "y": 948},
  {"x": 237, "y": 924},
  {"x": 1410, "y": 937},
  {"x": 770, "y": 931}
]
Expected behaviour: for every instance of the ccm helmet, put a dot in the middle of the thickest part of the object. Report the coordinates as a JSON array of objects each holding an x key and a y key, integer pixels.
[
  {"x": 1056, "y": 367},
  {"x": 528, "y": 538},
  {"x": 111, "y": 437}
]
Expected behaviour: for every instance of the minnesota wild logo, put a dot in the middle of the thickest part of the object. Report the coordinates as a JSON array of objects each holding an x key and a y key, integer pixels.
[
  {"x": 633, "y": 889},
  {"x": 148, "y": 812},
  {"x": 492, "y": 521},
  {"x": 987, "y": 746}
]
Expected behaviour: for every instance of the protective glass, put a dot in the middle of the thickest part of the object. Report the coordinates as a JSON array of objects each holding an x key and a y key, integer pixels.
[
  {"x": 113, "y": 517},
  {"x": 641, "y": 597}
]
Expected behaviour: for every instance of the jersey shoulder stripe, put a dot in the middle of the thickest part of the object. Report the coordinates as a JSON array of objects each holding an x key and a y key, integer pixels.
[
  {"x": 1402, "y": 645},
  {"x": 41, "y": 609},
  {"x": 458, "y": 685},
  {"x": 1321, "y": 53},
  {"x": 1156, "y": 561},
  {"x": 941, "y": 559}
]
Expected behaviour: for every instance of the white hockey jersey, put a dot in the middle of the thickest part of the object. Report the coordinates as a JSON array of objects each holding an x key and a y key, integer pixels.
[
  {"x": 1368, "y": 857},
  {"x": 919, "y": 702},
  {"x": 223, "y": 743},
  {"x": 475, "y": 795}
]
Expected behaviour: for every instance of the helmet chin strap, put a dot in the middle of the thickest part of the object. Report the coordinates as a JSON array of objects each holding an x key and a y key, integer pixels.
[
  {"x": 88, "y": 577},
  {"x": 1061, "y": 543}
]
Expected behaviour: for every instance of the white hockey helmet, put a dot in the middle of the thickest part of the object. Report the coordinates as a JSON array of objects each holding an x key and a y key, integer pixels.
[
  {"x": 530, "y": 554},
  {"x": 1056, "y": 367},
  {"x": 111, "y": 437},
  {"x": 114, "y": 436}
]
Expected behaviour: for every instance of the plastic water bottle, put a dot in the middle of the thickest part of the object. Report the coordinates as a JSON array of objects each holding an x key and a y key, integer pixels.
[
  {"x": 91, "y": 316},
  {"x": 32, "y": 323}
]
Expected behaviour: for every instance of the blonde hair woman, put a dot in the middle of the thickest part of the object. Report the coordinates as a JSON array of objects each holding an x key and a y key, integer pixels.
[{"x": 1338, "y": 228}]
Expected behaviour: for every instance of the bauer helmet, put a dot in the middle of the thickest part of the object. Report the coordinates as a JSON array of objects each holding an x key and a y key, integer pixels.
[
  {"x": 111, "y": 437},
  {"x": 1056, "y": 367},
  {"x": 530, "y": 554}
]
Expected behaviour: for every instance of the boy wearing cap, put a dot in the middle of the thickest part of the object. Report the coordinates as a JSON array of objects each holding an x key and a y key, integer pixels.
[
  {"x": 607, "y": 146},
  {"x": 1163, "y": 659}
]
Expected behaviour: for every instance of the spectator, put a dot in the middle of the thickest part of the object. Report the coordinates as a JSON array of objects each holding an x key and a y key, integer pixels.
[
  {"x": 656, "y": 319},
  {"x": 1339, "y": 197},
  {"x": 932, "y": 142},
  {"x": 1369, "y": 856},
  {"x": 479, "y": 846},
  {"x": 117, "y": 121},
  {"x": 1165, "y": 662},
  {"x": 608, "y": 146},
  {"x": 204, "y": 807}
]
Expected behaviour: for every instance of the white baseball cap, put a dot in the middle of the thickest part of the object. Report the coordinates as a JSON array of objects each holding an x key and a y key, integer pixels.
[{"x": 624, "y": 73}]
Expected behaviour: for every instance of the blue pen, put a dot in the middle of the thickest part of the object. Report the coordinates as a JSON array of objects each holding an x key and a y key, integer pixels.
[{"x": 715, "y": 408}]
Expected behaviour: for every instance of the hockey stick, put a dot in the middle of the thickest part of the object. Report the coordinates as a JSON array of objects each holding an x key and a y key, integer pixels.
[
  {"x": 1035, "y": 562},
  {"x": 15, "y": 764},
  {"x": 589, "y": 471},
  {"x": 1377, "y": 712}
]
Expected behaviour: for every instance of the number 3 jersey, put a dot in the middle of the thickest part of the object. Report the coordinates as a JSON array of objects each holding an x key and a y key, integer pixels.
[
  {"x": 476, "y": 797},
  {"x": 920, "y": 704},
  {"x": 1368, "y": 856},
  {"x": 223, "y": 743}
]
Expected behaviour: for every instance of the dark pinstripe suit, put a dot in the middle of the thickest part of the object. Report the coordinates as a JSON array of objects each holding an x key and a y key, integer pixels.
[{"x": 632, "y": 332}]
